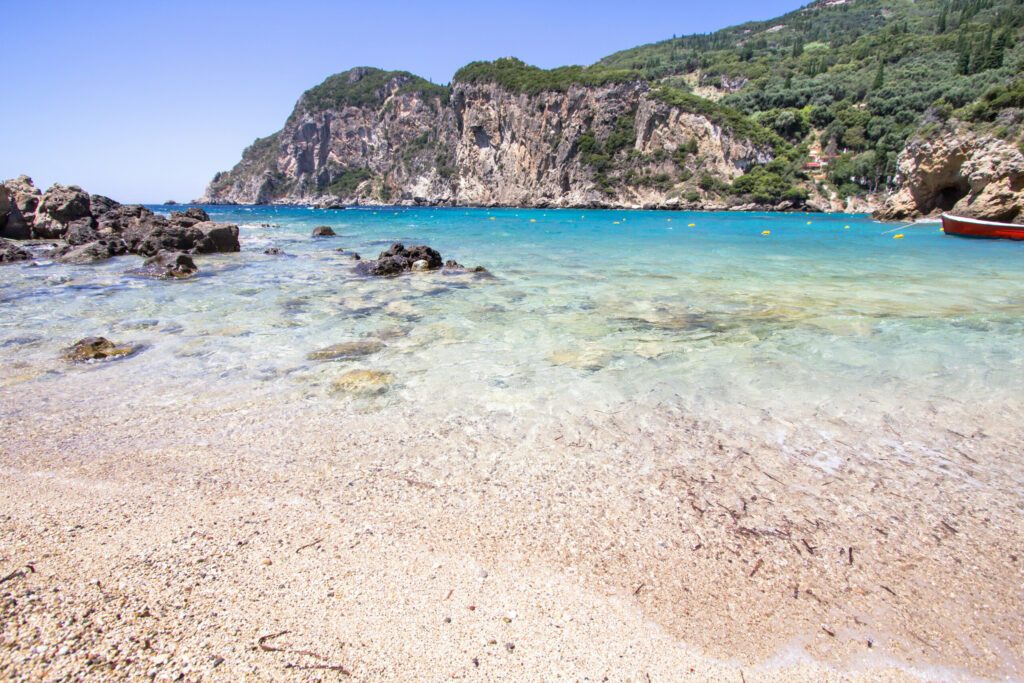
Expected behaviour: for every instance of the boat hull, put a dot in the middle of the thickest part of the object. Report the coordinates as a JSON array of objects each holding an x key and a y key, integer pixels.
[{"x": 970, "y": 227}]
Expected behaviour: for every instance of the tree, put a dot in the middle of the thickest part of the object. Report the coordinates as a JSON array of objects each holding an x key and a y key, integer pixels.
[{"x": 879, "y": 76}]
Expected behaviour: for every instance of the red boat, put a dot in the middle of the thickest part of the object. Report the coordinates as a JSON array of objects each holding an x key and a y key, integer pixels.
[{"x": 972, "y": 227}]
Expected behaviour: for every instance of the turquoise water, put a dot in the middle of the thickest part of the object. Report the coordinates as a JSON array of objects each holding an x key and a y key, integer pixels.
[{"x": 826, "y": 327}]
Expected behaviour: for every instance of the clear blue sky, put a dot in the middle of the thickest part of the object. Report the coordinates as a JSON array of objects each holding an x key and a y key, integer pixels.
[{"x": 145, "y": 101}]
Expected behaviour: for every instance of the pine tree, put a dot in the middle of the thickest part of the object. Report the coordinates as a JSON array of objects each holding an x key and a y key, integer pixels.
[
  {"x": 942, "y": 21},
  {"x": 879, "y": 77}
]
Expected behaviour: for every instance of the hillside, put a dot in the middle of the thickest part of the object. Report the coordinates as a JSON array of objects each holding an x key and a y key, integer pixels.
[
  {"x": 862, "y": 75},
  {"x": 825, "y": 100}
]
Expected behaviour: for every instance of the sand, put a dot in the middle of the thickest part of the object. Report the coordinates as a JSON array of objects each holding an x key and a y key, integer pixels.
[{"x": 231, "y": 539}]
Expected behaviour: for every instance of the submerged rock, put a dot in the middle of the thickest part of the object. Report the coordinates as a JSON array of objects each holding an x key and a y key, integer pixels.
[
  {"x": 274, "y": 251},
  {"x": 100, "y": 250},
  {"x": 363, "y": 382},
  {"x": 324, "y": 231},
  {"x": 97, "y": 348},
  {"x": 168, "y": 265},
  {"x": 346, "y": 350},
  {"x": 11, "y": 252}
]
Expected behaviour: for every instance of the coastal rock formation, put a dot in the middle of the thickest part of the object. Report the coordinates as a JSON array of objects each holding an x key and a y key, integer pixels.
[
  {"x": 97, "y": 348},
  {"x": 23, "y": 199},
  {"x": 397, "y": 259},
  {"x": 958, "y": 171},
  {"x": 92, "y": 252},
  {"x": 11, "y": 252},
  {"x": 368, "y": 136},
  {"x": 168, "y": 265},
  {"x": 59, "y": 207},
  {"x": 324, "y": 231}
]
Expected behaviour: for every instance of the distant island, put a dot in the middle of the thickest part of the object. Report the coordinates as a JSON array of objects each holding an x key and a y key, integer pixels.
[{"x": 901, "y": 109}]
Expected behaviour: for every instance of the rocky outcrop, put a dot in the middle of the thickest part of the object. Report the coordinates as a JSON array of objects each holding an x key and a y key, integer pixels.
[
  {"x": 167, "y": 265},
  {"x": 59, "y": 207},
  {"x": 480, "y": 143},
  {"x": 11, "y": 252},
  {"x": 23, "y": 199},
  {"x": 956, "y": 170},
  {"x": 396, "y": 259},
  {"x": 324, "y": 231}
]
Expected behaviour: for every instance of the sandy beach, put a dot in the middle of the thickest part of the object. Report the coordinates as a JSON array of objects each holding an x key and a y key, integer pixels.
[{"x": 230, "y": 539}]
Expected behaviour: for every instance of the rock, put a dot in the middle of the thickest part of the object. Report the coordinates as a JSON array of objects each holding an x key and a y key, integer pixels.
[
  {"x": 189, "y": 217},
  {"x": 274, "y": 251},
  {"x": 81, "y": 231},
  {"x": 97, "y": 348},
  {"x": 362, "y": 383},
  {"x": 420, "y": 265},
  {"x": 100, "y": 205},
  {"x": 11, "y": 252},
  {"x": 100, "y": 250},
  {"x": 346, "y": 350},
  {"x": 5, "y": 206},
  {"x": 168, "y": 265},
  {"x": 58, "y": 207},
  {"x": 23, "y": 201},
  {"x": 958, "y": 171},
  {"x": 324, "y": 231},
  {"x": 217, "y": 237},
  {"x": 397, "y": 259},
  {"x": 127, "y": 218}
]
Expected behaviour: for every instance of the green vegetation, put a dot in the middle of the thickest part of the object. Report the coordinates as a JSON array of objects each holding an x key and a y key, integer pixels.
[
  {"x": 863, "y": 75},
  {"x": 366, "y": 86},
  {"x": 519, "y": 77},
  {"x": 600, "y": 155},
  {"x": 345, "y": 184}
]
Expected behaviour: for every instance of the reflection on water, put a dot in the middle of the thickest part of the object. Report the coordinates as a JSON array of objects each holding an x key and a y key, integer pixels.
[{"x": 820, "y": 328}]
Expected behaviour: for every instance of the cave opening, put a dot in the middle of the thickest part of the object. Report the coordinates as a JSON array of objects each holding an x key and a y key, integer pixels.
[{"x": 947, "y": 197}]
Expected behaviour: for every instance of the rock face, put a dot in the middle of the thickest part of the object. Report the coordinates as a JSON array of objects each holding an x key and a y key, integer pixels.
[
  {"x": 958, "y": 171},
  {"x": 23, "y": 199},
  {"x": 482, "y": 144}
]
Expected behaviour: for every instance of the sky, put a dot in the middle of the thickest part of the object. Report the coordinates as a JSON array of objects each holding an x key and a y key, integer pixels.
[{"x": 144, "y": 101}]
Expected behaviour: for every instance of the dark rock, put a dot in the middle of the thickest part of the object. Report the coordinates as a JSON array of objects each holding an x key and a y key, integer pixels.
[
  {"x": 170, "y": 202},
  {"x": 23, "y": 201},
  {"x": 100, "y": 205},
  {"x": 189, "y": 217},
  {"x": 81, "y": 231},
  {"x": 397, "y": 259},
  {"x": 274, "y": 251},
  {"x": 97, "y": 348},
  {"x": 168, "y": 265},
  {"x": 11, "y": 252},
  {"x": 324, "y": 231},
  {"x": 125, "y": 218},
  {"x": 100, "y": 250},
  {"x": 162, "y": 237},
  {"x": 217, "y": 237},
  {"x": 59, "y": 206}
]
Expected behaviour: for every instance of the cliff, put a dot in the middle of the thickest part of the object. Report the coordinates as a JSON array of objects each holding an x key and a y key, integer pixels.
[
  {"x": 370, "y": 136},
  {"x": 959, "y": 170}
]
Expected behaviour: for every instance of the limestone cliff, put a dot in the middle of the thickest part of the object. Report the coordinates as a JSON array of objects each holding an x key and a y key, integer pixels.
[
  {"x": 368, "y": 136},
  {"x": 961, "y": 171}
]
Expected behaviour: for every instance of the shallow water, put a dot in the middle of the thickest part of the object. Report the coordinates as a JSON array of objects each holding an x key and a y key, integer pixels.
[{"x": 828, "y": 328}]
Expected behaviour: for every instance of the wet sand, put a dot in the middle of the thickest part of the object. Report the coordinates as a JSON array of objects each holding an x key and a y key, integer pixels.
[{"x": 240, "y": 538}]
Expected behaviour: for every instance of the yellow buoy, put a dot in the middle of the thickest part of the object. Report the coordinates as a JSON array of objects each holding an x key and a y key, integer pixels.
[
  {"x": 693, "y": 225},
  {"x": 808, "y": 222},
  {"x": 766, "y": 232},
  {"x": 615, "y": 222},
  {"x": 669, "y": 220},
  {"x": 898, "y": 237},
  {"x": 846, "y": 227},
  {"x": 533, "y": 220},
  {"x": 492, "y": 218}
]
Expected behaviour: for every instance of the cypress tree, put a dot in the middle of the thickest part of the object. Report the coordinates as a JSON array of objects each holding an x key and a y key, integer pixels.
[{"x": 879, "y": 76}]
